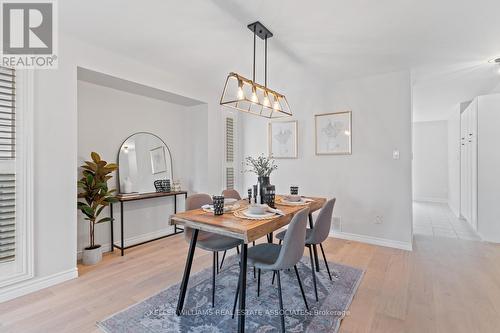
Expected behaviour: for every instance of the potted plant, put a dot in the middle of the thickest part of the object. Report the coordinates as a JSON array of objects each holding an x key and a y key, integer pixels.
[
  {"x": 94, "y": 195},
  {"x": 262, "y": 166}
]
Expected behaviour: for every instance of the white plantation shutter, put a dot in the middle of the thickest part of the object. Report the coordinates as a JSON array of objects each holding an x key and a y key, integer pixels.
[
  {"x": 16, "y": 173},
  {"x": 230, "y": 153},
  {"x": 7, "y": 165}
]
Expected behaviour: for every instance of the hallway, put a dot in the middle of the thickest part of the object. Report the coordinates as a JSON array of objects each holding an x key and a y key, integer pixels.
[{"x": 437, "y": 220}]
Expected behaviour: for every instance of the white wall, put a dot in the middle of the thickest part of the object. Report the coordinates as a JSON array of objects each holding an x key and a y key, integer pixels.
[
  {"x": 454, "y": 162},
  {"x": 56, "y": 147},
  {"x": 368, "y": 183},
  {"x": 488, "y": 182},
  {"x": 106, "y": 117},
  {"x": 430, "y": 161}
]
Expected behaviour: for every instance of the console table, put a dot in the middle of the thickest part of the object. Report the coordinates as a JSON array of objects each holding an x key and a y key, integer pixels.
[{"x": 122, "y": 198}]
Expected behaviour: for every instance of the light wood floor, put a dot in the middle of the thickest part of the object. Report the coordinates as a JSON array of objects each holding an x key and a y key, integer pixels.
[{"x": 444, "y": 285}]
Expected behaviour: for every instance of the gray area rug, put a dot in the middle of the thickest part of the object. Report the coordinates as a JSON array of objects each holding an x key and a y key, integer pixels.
[{"x": 157, "y": 313}]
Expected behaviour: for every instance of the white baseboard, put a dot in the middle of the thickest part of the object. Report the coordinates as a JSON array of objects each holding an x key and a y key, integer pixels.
[
  {"x": 134, "y": 239},
  {"x": 431, "y": 199},
  {"x": 372, "y": 240},
  {"x": 35, "y": 284}
]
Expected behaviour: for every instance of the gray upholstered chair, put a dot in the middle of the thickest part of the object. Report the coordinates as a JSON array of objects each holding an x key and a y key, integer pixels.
[
  {"x": 317, "y": 235},
  {"x": 276, "y": 257},
  {"x": 206, "y": 240},
  {"x": 230, "y": 193}
]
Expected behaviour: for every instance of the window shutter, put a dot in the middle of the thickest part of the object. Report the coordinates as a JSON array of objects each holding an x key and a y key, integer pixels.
[
  {"x": 230, "y": 153},
  {"x": 7, "y": 165}
]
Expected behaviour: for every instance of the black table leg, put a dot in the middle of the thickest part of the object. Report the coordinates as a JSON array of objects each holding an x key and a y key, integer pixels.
[
  {"x": 315, "y": 250},
  {"x": 187, "y": 271},
  {"x": 111, "y": 224},
  {"x": 175, "y": 204},
  {"x": 243, "y": 286},
  {"x": 121, "y": 227}
]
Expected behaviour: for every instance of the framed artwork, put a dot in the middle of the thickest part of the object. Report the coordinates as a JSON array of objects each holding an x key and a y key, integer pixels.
[
  {"x": 158, "y": 163},
  {"x": 333, "y": 133},
  {"x": 282, "y": 139}
]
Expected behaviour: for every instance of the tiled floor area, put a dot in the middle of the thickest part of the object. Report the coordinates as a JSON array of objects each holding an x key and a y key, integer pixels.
[{"x": 434, "y": 219}]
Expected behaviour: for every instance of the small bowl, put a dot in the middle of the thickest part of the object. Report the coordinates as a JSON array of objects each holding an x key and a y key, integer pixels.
[
  {"x": 293, "y": 198},
  {"x": 229, "y": 201},
  {"x": 257, "y": 209}
]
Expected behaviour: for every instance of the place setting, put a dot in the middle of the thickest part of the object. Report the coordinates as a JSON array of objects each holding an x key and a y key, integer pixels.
[
  {"x": 293, "y": 199},
  {"x": 221, "y": 205}
]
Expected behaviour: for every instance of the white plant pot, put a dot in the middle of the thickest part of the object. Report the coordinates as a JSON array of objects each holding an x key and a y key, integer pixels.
[{"x": 92, "y": 256}]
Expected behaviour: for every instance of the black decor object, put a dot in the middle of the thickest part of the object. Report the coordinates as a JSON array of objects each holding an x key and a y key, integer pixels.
[
  {"x": 294, "y": 190},
  {"x": 249, "y": 195},
  {"x": 255, "y": 193},
  {"x": 218, "y": 202},
  {"x": 162, "y": 185},
  {"x": 263, "y": 182},
  {"x": 269, "y": 195}
]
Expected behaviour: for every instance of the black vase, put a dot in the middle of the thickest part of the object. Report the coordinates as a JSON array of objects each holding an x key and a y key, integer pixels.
[{"x": 263, "y": 182}]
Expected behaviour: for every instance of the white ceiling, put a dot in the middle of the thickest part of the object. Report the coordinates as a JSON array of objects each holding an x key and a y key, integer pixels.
[{"x": 446, "y": 41}]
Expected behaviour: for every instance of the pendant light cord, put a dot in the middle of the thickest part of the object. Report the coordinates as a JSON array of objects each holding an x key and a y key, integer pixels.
[
  {"x": 254, "y": 35},
  {"x": 265, "y": 63}
]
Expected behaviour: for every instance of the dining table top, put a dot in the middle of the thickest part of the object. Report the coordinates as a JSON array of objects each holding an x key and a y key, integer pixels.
[{"x": 241, "y": 228}]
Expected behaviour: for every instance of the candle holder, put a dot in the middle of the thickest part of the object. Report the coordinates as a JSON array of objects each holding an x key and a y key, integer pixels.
[
  {"x": 270, "y": 195},
  {"x": 255, "y": 193},
  {"x": 249, "y": 195},
  {"x": 218, "y": 202},
  {"x": 294, "y": 190}
]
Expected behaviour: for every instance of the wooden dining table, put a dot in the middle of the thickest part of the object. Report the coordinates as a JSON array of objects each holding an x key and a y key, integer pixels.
[{"x": 240, "y": 228}]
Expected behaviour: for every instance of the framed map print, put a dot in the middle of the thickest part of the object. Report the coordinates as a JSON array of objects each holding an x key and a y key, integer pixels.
[
  {"x": 282, "y": 139},
  {"x": 333, "y": 133}
]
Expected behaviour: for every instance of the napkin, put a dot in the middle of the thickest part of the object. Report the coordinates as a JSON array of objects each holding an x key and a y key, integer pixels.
[{"x": 275, "y": 211}]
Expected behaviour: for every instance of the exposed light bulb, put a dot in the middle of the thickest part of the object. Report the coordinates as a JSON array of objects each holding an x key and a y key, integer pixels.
[
  {"x": 276, "y": 105},
  {"x": 347, "y": 132},
  {"x": 254, "y": 96},
  {"x": 241, "y": 94},
  {"x": 266, "y": 101}
]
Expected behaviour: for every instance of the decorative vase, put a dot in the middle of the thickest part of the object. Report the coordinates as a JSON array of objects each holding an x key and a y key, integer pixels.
[
  {"x": 263, "y": 182},
  {"x": 92, "y": 256}
]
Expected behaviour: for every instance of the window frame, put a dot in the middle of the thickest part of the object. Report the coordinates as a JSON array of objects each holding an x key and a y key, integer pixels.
[{"x": 22, "y": 267}]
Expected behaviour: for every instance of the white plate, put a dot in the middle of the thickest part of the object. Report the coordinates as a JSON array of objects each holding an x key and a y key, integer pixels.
[
  {"x": 210, "y": 208},
  {"x": 266, "y": 214},
  {"x": 301, "y": 202}
]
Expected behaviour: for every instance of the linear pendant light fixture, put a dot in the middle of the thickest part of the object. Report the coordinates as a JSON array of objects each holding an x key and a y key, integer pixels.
[{"x": 247, "y": 95}]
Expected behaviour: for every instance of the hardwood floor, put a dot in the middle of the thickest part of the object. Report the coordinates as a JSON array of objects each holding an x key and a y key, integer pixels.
[{"x": 444, "y": 285}]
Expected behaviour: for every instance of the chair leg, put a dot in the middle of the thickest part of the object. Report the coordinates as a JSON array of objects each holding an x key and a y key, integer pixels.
[
  {"x": 237, "y": 250},
  {"x": 301, "y": 288},
  {"x": 258, "y": 282},
  {"x": 282, "y": 313},
  {"x": 222, "y": 261},
  {"x": 274, "y": 275},
  {"x": 254, "y": 276},
  {"x": 213, "y": 277},
  {"x": 313, "y": 272},
  {"x": 326, "y": 263},
  {"x": 279, "y": 243},
  {"x": 217, "y": 256}
]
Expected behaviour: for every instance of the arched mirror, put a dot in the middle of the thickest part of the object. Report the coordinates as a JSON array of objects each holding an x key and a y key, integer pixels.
[{"x": 142, "y": 159}]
